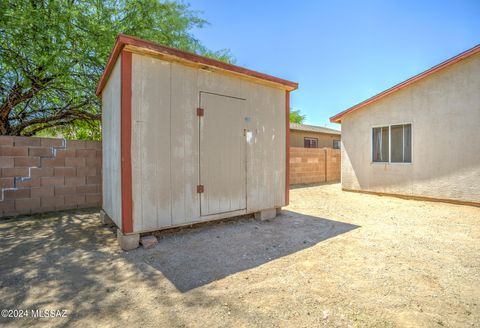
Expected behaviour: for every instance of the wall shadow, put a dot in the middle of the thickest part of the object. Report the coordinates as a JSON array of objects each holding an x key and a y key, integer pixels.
[
  {"x": 70, "y": 258},
  {"x": 63, "y": 252},
  {"x": 196, "y": 257}
]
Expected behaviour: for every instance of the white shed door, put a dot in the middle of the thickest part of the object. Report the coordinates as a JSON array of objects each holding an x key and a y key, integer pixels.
[{"x": 222, "y": 154}]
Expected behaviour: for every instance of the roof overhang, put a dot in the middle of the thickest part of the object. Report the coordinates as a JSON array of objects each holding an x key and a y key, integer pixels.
[
  {"x": 313, "y": 129},
  {"x": 338, "y": 118},
  {"x": 137, "y": 45},
  {"x": 319, "y": 132}
]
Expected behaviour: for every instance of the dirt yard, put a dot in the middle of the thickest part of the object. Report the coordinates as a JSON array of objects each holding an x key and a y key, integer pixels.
[{"x": 331, "y": 258}]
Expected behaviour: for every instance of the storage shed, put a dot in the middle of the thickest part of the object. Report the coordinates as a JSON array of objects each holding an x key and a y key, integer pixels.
[{"x": 188, "y": 139}]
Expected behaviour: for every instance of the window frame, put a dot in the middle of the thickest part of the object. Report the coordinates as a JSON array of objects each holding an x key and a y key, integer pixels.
[
  {"x": 390, "y": 143},
  {"x": 309, "y": 138},
  {"x": 371, "y": 143},
  {"x": 339, "y": 143}
]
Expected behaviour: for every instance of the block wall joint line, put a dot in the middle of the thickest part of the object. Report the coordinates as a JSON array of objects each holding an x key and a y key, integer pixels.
[{"x": 29, "y": 177}]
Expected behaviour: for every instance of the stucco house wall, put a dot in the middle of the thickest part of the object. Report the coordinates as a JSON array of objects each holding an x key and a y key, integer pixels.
[
  {"x": 324, "y": 140},
  {"x": 444, "y": 110}
]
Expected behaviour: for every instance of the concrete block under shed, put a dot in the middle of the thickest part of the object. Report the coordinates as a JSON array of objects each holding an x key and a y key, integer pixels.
[
  {"x": 128, "y": 242},
  {"x": 148, "y": 241},
  {"x": 267, "y": 214}
]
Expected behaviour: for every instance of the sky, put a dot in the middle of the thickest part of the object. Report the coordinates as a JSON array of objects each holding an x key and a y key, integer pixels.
[{"x": 340, "y": 52}]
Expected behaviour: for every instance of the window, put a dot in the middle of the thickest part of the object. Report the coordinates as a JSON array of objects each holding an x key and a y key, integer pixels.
[
  {"x": 392, "y": 144},
  {"x": 380, "y": 144},
  {"x": 401, "y": 143},
  {"x": 336, "y": 144},
  {"x": 310, "y": 142}
]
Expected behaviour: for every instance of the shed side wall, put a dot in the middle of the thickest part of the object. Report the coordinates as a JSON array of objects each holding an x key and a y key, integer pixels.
[
  {"x": 184, "y": 144},
  {"x": 444, "y": 110},
  {"x": 165, "y": 141},
  {"x": 266, "y": 156},
  {"x": 151, "y": 173},
  {"x": 111, "y": 146}
]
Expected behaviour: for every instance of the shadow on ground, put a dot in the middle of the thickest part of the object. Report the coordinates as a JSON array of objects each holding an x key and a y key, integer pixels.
[
  {"x": 69, "y": 260},
  {"x": 198, "y": 256},
  {"x": 61, "y": 252}
]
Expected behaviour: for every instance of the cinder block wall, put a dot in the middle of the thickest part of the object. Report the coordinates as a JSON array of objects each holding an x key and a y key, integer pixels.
[
  {"x": 333, "y": 165},
  {"x": 43, "y": 174},
  {"x": 314, "y": 165}
]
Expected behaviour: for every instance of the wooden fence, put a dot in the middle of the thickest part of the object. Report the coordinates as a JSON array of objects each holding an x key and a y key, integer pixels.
[{"x": 314, "y": 165}]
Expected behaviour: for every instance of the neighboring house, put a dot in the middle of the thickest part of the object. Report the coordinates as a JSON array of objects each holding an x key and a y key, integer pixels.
[
  {"x": 420, "y": 138},
  {"x": 311, "y": 136}
]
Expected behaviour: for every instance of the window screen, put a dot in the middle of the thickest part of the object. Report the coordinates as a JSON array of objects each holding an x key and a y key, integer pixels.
[
  {"x": 380, "y": 144},
  {"x": 401, "y": 143},
  {"x": 310, "y": 142}
]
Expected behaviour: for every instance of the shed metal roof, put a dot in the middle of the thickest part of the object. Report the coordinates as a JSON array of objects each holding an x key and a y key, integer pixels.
[
  {"x": 313, "y": 128},
  {"x": 172, "y": 53}
]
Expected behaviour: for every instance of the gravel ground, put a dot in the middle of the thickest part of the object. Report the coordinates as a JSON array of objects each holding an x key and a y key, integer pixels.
[{"x": 331, "y": 258}]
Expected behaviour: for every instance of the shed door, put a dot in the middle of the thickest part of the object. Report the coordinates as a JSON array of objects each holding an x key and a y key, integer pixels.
[{"x": 222, "y": 154}]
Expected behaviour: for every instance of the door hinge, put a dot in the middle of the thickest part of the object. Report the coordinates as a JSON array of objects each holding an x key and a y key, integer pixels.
[
  {"x": 200, "y": 111},
  {"x": 200, "y": 189}
]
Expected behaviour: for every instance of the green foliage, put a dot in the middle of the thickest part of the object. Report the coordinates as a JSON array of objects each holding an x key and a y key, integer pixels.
[
  {"x": 52, "y": 53},
  {"x": 296, "y": 116},
  {"x": 79, "y": 130}
]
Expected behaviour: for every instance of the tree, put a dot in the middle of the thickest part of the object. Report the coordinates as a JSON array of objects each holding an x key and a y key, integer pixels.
[
  {"x": 296, "y": 116},
  {"x": 52, "y": 54}
]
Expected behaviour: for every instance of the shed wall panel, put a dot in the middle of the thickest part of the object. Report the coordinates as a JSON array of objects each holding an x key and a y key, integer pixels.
[
  {"x": 185, "y": 160},
  {"x": 151, "y": 143},
  {"x": 266, "y": 149},
  {"x": 111, "y": 175},
  {"x": 165, "y": 141},
  {"x": 279, "y": 146},
  {"x": 220, "y": 84}
]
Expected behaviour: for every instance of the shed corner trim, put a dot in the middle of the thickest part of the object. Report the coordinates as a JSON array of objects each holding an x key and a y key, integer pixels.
[
  {"x": 287, "y": 147},
  {"x": 126, "y": 141}
]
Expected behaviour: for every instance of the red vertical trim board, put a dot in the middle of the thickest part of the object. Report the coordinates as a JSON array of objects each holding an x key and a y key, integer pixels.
[
  {"x": 287, "y": 146},
  {"x": 126, "y": 141}
]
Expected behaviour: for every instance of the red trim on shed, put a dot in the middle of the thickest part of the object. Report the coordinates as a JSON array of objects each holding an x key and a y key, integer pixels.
[
  {"x": 338, "y": 118},
  {"x": 287, "y": 148},
  {"x": 123, "y": 40},
  {"x": 126, "y": 141}
]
